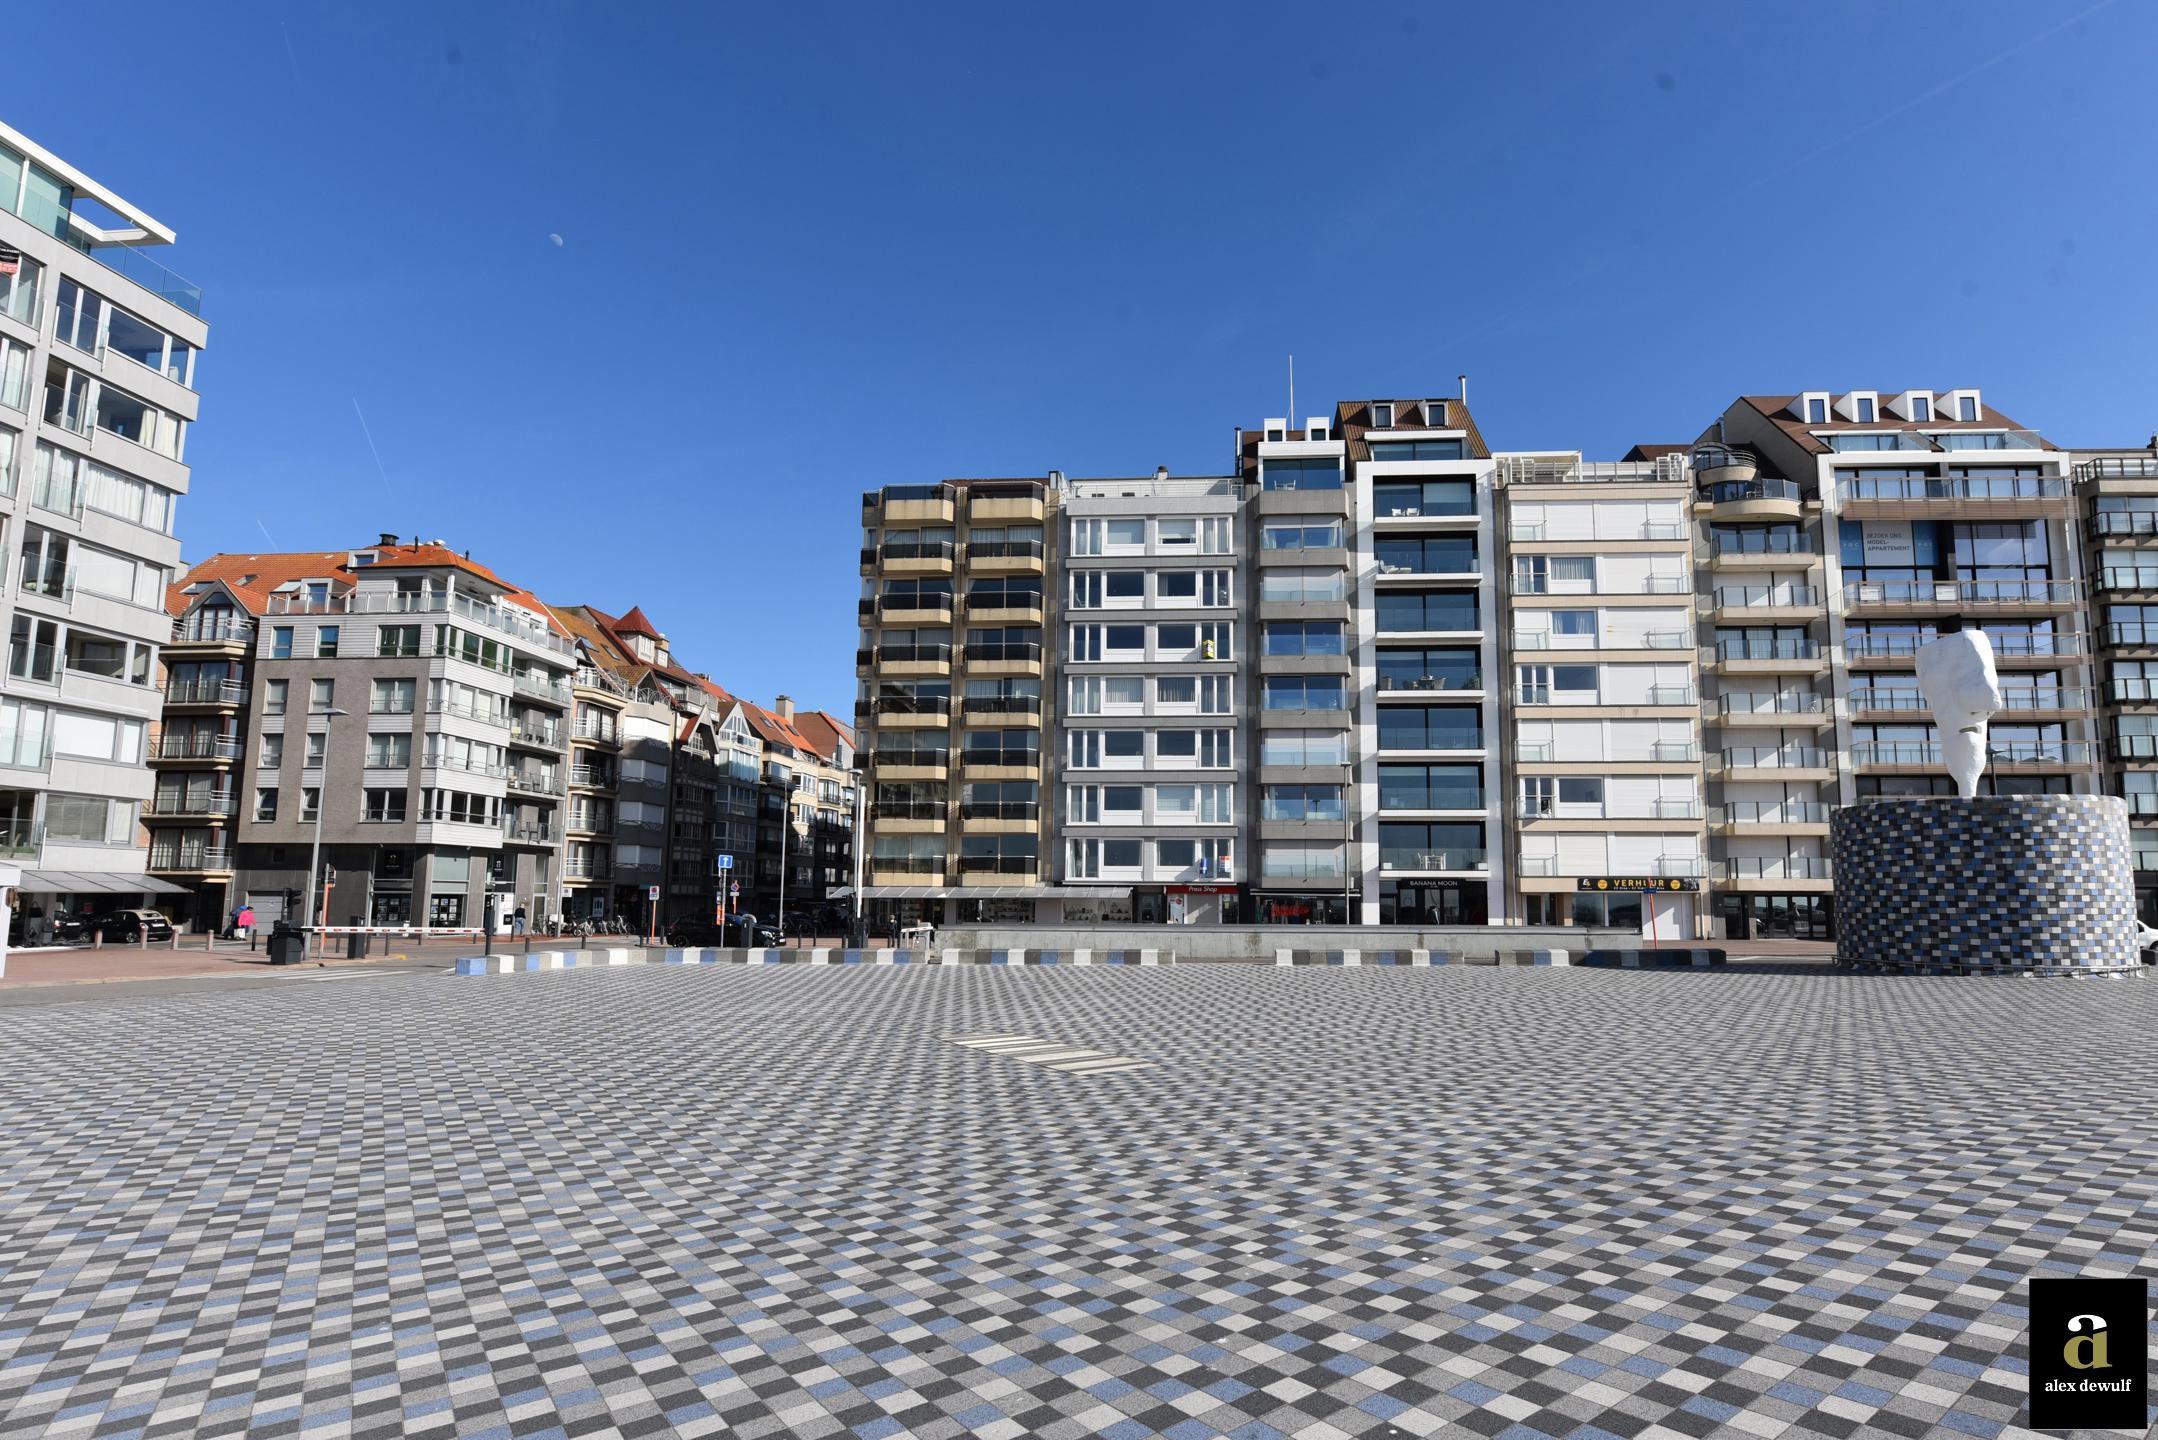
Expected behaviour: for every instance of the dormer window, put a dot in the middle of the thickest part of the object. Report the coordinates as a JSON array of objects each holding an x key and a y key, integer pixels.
[
  {"x": 1966, "y": 407},
  {"x": 1865, "y": 410},
  {"x": 1816, "y": 409},
  {"x": 1382, "y": 415},
  {"x": 1435, "y": 414},
  {"x": 1922, "y": 409},
  {"x": 1275, "y": 435},
  {"x": 1315, "y": 432}
]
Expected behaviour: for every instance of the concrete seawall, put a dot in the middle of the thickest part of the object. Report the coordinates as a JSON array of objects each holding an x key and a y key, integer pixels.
[{"x": 1260, "y": 943}]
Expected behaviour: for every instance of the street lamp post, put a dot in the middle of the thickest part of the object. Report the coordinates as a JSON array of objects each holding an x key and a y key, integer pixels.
[
  {"x": 858, "y": 938},
  {"x": 322, "y": 802}
]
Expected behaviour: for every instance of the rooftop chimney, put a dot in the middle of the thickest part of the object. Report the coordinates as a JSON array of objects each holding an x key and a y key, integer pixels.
[
  {"x": 783, "y": 707},
  {"x": 1161, "y": 472},
  {"x": 1463, "y": 381},
  {"x": 385, "y": 538}
]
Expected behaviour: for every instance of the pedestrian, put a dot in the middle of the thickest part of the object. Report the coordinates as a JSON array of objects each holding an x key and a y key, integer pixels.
[
  {"x": 243, "y": 924},
  {"x": 517, "y": 922},
  {"x": 33, "y": 926}
]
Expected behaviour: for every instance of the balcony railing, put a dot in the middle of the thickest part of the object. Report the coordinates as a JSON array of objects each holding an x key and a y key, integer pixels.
[
  {"x": 596, "y": 734},
  {"x": 1778, "y": 867},
  {"x": 1960, "y": 592},
  {"x": 531, "y": 682},
  {"x": 908, "y": 810},
  {"x": 2123, "y": 467},
  {"x": 1770, "y": 757},
  {"x": 1766, "y": 597},
  {"x": 917, "y": 550},
  {"x": 1772, "y": 812},
  {"x": 594, "y": 678},
  {"x": 2132, "y": 690},
  {"x": 20, "y": 838},
  {"x": 2128, "y": 577},
  {"x": 885, "y": 758},
  {"x": 468, "y": 711},
  {"x": 1917, "y": 752},
  {"x": 1001, "y": 810},
  {"x": 998, "y": 864},
  {"x": 1535, "y": 470},
  {"x": 1734, "y": 492},
  {"x": 1016, "y": 755},
  {"x": 546, "y": 736},
  {"x": 1957, "y": 487},
  {"x": 1004, "y": 650},
  {"x": 197, "y": 631},
  {"x": 907, "y": 864},
  {"x": 914, "y": 705},
  {"x": 1462, "y": 859},
  {"x": 1673, "y": 695},
  {"x": 2014, "y": 646},
  {"x": 587, "y": 869},
  {"x": 1762, "y": 542},
  {"x": 526, "y": 782},
  {"x": 906, "y": 654},
  {"x": 2015, "y": 697},
  {"x": 2134, "y": 634},
  {"x": 190, "y": 858},
  {"x": 1430, "y": 683},
  {"x": 527, "y": 833},
  {"x": 2134, "y": 747},
  {"x": 1004, "y": 549},
  {"x": 595, "y": 775},
  {"x": 431, "y": 602},
  {"x": 1025, "y": 601},
  {"x": 1679, "y": 866},
  {"x": 934, "y": 603},
  {"x": 1787, "y": 649},
  {"x": 202, "y": 692},
  {"x": 213, "y": 804},
  {"x": 1782, "y": 703},
  {"x": 2124, "y": 524},
  {"x": 194, "y": 747},
  {"x": 446, "y": 762},
  {"x": 1002, "y": 704}
]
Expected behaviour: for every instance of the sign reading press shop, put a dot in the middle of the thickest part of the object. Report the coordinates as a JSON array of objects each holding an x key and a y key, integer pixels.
[{"x": 1607, "y": 883}]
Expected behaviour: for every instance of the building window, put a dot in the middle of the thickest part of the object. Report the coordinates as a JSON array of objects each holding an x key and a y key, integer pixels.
[
  {"x": 1921, "y": 408},
  {"x": 388, "y": 697},
  {"x": 273, "y": 752},
  {"x": 273, "y": 696},
  {"x": 281, "y": 642},
  {"x": 398, "y": 641},
  {"x": 321, "y": 695},
  {"x": 385, "y": 806},
  {"x": 1865, "y": 410},
  {"x": 266, "y": 803},
  {"x": 389, "y": 751},
  {"x": 325, "y": 642},
  {"x": 1816, "y": 411},
  {"x": 310, "y": 802},
  {"x": 1382, "y": 415},
  {"x": 1301, "y": 474},
  {"x": 1966, "y": 407}
]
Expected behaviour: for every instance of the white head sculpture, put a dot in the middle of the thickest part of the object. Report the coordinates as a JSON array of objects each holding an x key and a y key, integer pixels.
[{"x": 1956, "y": 675}]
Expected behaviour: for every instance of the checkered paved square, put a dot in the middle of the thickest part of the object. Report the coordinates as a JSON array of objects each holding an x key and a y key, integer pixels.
[{"x": 780, "y": 1202}]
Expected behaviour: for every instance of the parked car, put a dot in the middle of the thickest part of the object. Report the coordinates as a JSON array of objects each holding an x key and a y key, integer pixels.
[
  {"x": 65, "y": 930},
  {"x": 703, "y": 934},
  {"x": 2147, "y": 942},
  {"x": 129, "y": 925}
]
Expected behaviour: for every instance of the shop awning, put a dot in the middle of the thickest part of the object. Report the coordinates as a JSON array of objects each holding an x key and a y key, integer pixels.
[
  {"x": 989, "y": 892},
  {"x": 75, "y": 882}
]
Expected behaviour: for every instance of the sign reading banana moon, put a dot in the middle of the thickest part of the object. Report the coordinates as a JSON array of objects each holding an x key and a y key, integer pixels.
[{"x": 1635, "y": 882}]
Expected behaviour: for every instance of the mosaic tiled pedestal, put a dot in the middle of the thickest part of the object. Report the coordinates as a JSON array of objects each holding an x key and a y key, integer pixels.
[{"x": 2013, "y": 885}]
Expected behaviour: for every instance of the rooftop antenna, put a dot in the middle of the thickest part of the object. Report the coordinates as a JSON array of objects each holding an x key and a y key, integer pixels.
[{"x": 1292, "y": 389}]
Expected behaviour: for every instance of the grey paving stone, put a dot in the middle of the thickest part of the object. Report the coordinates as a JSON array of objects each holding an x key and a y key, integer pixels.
[{"x": 779, "y": 1202}]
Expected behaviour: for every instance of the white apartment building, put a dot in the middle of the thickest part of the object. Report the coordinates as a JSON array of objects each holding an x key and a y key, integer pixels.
[
  {"x": 1155, "y": 730},
  {"x": 1604, "y": 692},
  {"x": 98, "y": 347}
]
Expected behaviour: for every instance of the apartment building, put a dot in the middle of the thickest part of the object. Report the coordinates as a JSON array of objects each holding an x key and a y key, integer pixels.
[
  {"x": 805, "y": 810},
  {"x": 98, "y": 348},
  {"x": 400, "y": 700},
  {"x": 664, "y": 778},
  {"x": 1302, "y": 666},
  {"x": 2117, "y": 498},
  {"x": 1157, "y": 722},
  {"x": 1603, "y": 683},
  {"x": 1428, "y": 812},
  {"x": 956, "y": 617}
]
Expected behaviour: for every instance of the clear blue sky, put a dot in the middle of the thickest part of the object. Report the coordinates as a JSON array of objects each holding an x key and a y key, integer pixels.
[{"x": 809, "y": 249}]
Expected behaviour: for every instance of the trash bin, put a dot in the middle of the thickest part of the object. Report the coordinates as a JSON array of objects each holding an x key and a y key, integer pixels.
[
  {"x": 288, "y": 946},
  {"x": 356, "y": 944}
]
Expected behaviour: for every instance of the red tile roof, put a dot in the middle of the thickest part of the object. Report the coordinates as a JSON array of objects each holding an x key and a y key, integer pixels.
[
  {"x": 253, "y": 578},
  {"x": 636, "y": 623}
]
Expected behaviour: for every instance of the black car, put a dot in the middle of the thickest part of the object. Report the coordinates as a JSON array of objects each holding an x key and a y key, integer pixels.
[
  {"x": 126, "y": 926},
  {"x": 63, "y": 930}
]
